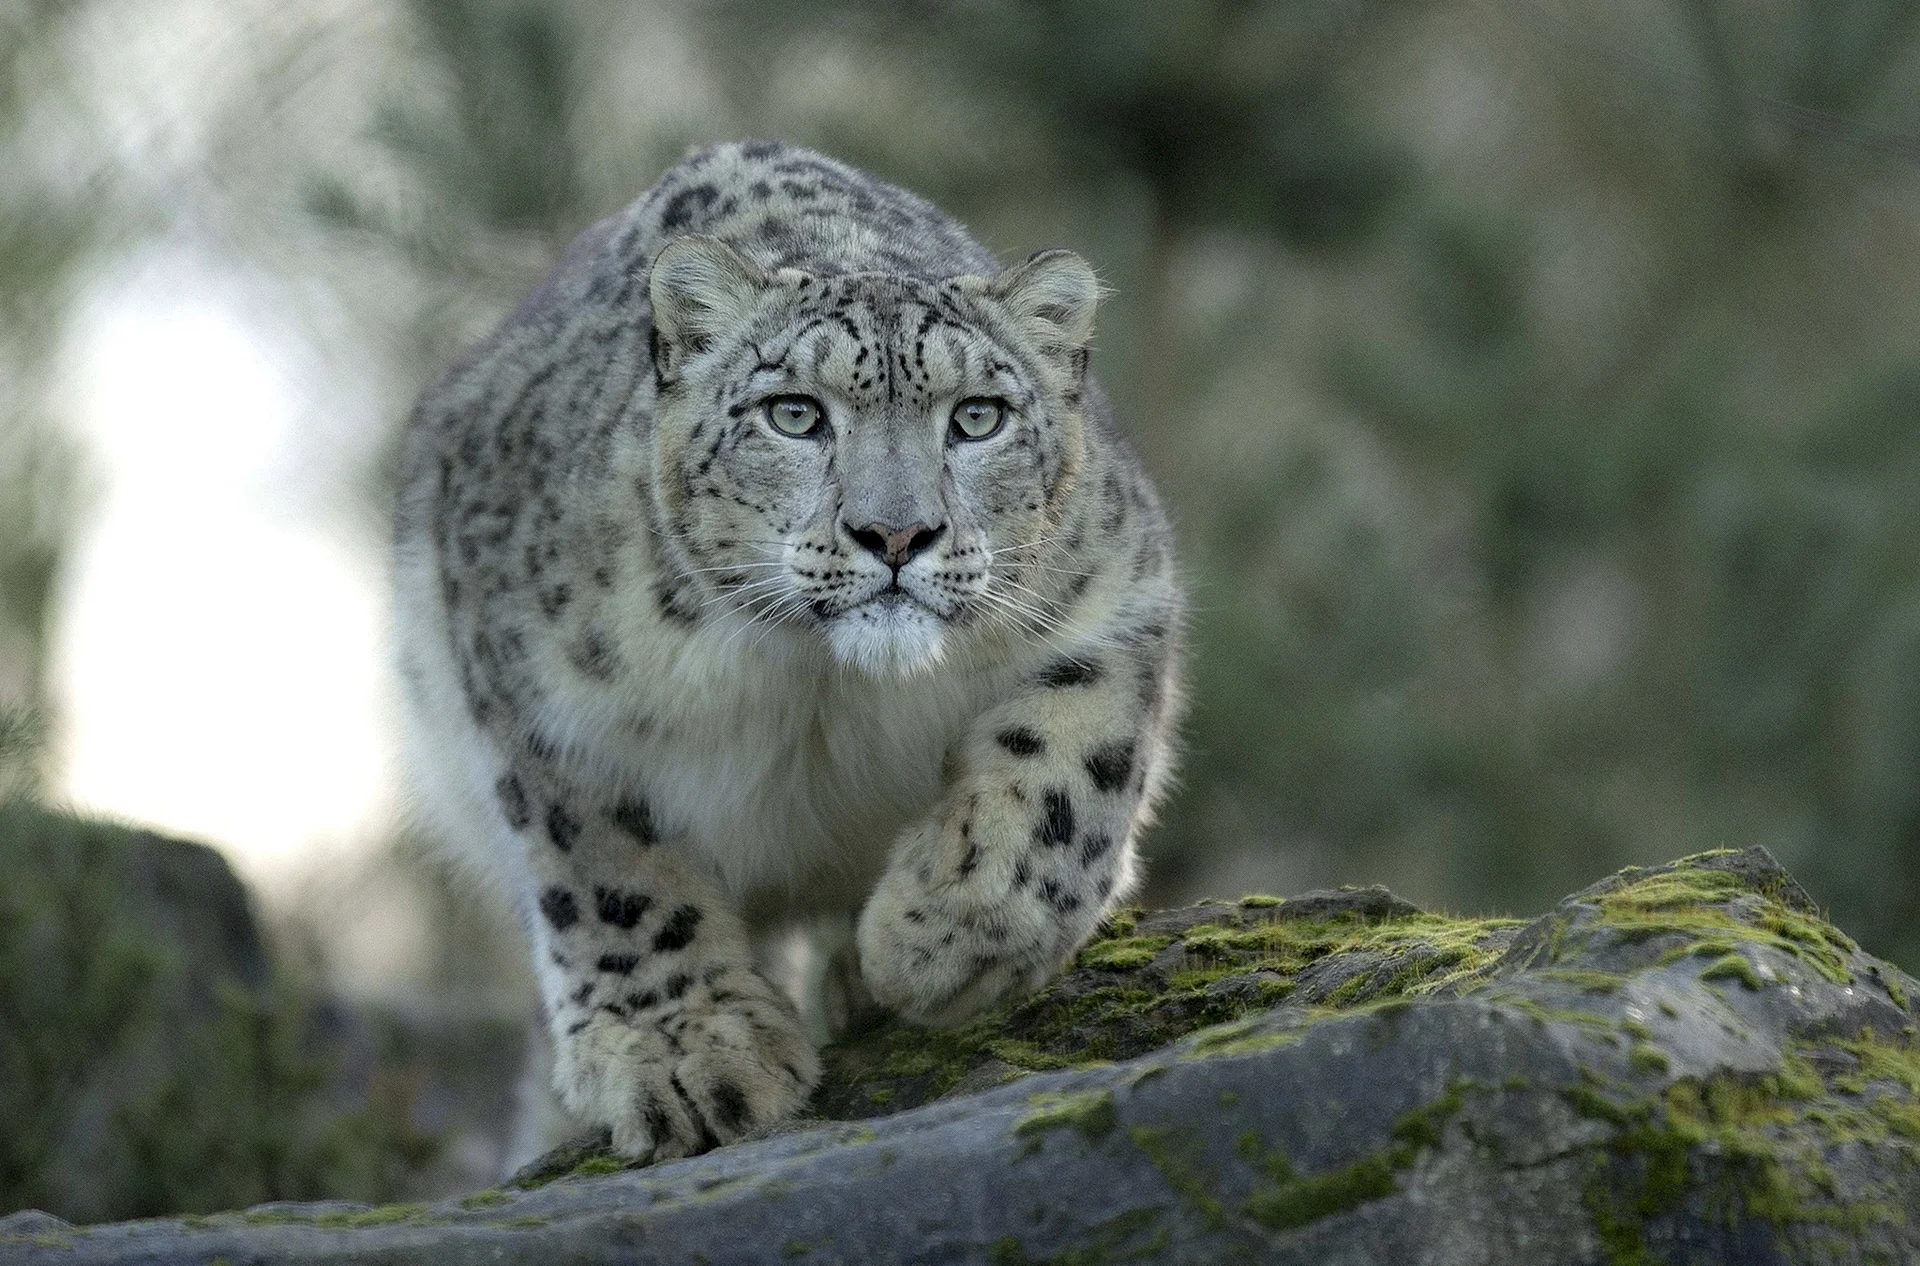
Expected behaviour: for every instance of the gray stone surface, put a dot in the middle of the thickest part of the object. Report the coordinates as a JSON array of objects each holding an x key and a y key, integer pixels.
[{"x": 1681, "y": 1064}]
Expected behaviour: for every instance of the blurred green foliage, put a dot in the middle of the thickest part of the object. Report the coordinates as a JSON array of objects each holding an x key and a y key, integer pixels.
[
  {"x": 1227, "y": 113},
  {"x": 49, "y": 223},
  {"x": 1596, "y": 542},
  {"x": 1534, "y": 385},
  {"x": 20, "y": 743}
]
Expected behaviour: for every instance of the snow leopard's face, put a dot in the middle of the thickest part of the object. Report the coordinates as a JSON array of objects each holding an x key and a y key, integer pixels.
[{"x": 874, "y": 456}]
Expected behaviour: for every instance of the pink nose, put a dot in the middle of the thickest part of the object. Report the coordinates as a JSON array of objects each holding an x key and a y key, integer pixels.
[{"x": 895, "y": 546}]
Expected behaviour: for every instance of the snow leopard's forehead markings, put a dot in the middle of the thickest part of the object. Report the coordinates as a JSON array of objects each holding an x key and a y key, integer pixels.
[
  {"x": 793, "y": 209},
  {"x": 888, "y": 358}
]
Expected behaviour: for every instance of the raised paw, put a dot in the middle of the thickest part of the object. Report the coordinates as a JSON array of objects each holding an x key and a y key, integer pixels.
[
  {"x": 683, "y": 1081},
  {"x": 939, "y": 955}
]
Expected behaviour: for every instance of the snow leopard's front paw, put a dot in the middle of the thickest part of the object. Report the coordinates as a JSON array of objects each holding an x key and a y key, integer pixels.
[
  {"x": 679, "y": 1083},
  {"x": 939, "y": 955}
]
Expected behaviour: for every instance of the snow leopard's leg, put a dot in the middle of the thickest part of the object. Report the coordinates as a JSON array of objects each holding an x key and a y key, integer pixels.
[
  {"x": 662, "y": 1030},
  {"x": 1031, "y": 844}
]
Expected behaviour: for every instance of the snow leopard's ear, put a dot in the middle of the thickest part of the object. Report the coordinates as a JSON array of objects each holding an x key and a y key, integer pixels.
[
  {"x": 1053, "y": 297},
  {"x": 700, "y": 287}
]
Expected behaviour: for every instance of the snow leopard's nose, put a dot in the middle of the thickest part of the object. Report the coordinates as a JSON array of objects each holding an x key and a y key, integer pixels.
[{"x": 895, "y": 546}]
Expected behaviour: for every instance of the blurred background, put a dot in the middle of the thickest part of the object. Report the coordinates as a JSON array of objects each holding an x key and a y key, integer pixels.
[{"x": 1534, "y": 386}]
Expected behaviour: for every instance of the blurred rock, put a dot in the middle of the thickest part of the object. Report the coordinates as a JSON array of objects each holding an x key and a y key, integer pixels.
[
  {"x": 1683, "y": 1063},
  {"x": 150, "y": 1059}
]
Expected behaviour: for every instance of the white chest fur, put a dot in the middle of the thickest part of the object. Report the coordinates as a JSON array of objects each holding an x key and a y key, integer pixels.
[{"x": 789, "y": 771}]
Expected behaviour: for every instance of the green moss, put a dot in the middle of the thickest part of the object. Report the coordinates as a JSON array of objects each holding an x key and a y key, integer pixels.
[
  {"x": 1441, "y": 949},
  {"x": 1597, "y": 1026},
  {"x": 275, "y": 1217},
  {"x": 1224, "y": 1034},
  {"x": 1797, "y": 1079},
  {"x": 1684, "y": 886},
  {"x": 939, "y": 1058},
  {"x": 1289, "y": 1199},
  {"x": 1599, "y": 982},
  {"x": 1353, "y": 990},
  {"x": 1711, "y": 947},
  {"x": 385, "y": 1215},
  {"x": 1130, "y": 994},
  {"x": 1123, "y": 953},
  {"x": 795, "y": 1248},
  {"x": 485, "y": 1199},
  {"x": 1746, "y": 1146},
  {"x": 1685, "y": 902},
  {"x": 1174, "y": 1151},
  {"x": 576, "y": 1161},
  {"x": 1588, "y": 1100},
  {"x": 1117, "y": 1239},
  {"x": 1298, "y": 1201},
  {"x": 1902, "y": 1118},
  {"x": 1423, "y": 1127},
  {"x": 1882, "y": 1060},
  {"x": 1645, "y": 1057},
  {"x": 881, "y": 1095},
  {"x": 1883, "y": 1093},
  {"x": 1260, "y": 901},
  {"x": 38, "y": 1239},
  {"x": 1091, "y": 1112},
  {"x": 1025, "y": 1055},
  {"x": 338, "y": 1219},
  {"x": 1734, "y": 967},
  {"x": 1645, "y": 1174},
  {"x": 1195, "y": 980},
  {"x": 1241, "y": 1038}
]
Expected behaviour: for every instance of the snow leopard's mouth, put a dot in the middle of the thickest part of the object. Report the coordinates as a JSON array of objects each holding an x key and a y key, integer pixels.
[
  {"x": 891, "y": 633},
  {"x": 889, "y": 598}
]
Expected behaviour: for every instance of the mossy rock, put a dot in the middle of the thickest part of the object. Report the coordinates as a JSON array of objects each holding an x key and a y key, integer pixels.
[
  {"x": 1144, "y": 982},
  {"x": 1680, "y": 1064},
  {"x": 150, "y": 1060},
  {"x": 1149, "y": 979}
]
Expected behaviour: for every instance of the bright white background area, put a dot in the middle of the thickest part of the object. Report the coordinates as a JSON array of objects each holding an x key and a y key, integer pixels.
[{"x": 218, "y": 661}]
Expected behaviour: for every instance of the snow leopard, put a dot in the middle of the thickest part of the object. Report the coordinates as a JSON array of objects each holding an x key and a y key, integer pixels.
[{"x": 777, "y": 564}]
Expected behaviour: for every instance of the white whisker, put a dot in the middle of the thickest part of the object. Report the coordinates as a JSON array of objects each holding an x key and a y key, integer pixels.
[{"x": 697, "y": 571}]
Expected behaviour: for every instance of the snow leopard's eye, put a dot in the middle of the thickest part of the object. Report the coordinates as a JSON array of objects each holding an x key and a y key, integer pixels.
[
  {"x": 794, "y": 415},
  {"x": 977, "y": 418}
]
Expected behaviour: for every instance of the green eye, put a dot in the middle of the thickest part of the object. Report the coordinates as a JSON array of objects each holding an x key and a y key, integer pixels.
[
  {"x": 794, "y": 415},
  {"x": 978, "y": 418}
]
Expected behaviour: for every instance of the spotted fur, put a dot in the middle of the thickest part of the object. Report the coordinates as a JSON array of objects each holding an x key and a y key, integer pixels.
[{"x": 677, "y": 677}]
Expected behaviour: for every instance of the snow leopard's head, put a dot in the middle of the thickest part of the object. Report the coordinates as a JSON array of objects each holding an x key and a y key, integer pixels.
[{"x": 879, "y": 457}]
